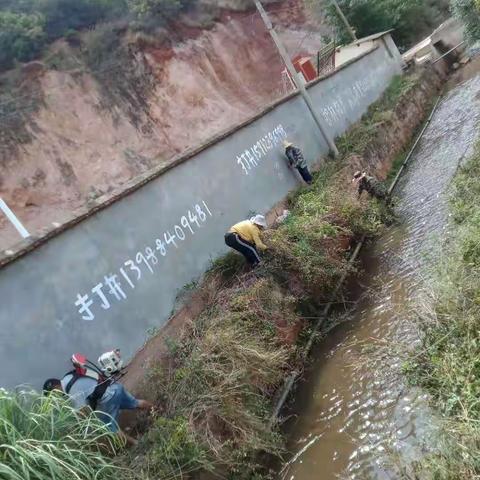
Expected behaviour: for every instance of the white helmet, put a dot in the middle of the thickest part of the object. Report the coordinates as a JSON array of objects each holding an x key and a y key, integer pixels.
[{"x": 259, "y": 220}]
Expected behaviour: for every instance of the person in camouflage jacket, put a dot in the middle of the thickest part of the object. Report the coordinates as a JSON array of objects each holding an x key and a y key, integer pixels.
[
  {"x": 297, "y": 160},
  {"x": 370, "y": 184}
]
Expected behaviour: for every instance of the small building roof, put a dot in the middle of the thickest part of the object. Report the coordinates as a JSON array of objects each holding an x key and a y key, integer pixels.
[
  {"x": 409, "y": 54},
  {"x": 375, "y": 36}
]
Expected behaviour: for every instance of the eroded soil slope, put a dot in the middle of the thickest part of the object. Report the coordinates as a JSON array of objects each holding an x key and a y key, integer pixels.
[{"x": 73, "y": 135}]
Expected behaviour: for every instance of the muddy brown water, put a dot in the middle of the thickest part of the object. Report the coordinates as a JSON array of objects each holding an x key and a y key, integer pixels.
[{"x": 355, "y": 417}]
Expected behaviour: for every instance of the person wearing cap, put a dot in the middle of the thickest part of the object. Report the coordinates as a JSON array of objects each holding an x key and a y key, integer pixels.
[
  {"x": 370, "y": 184},
  {"x": 244, "y": 237},
  {"x": 297, "y": 160}
]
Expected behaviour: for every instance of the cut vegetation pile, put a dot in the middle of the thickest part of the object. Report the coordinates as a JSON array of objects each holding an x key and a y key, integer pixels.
[{"x": 449, "y": 366}]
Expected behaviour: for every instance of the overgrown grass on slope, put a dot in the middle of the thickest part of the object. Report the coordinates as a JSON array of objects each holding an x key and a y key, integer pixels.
[
  {"x": 223, "y": 374},
  {"x": 218, "y": 387},
  {"x": 362, "y": 135},
  {"x": 449, "y": 367},
  {"x": 44, "y": 438}
]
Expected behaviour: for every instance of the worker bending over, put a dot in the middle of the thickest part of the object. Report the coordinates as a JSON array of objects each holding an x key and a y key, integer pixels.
[
  {"x": 244, "y": 237},
  {"x": 370, "y": 184},
  {"x": 296, "y": 160},
  {"x": 83, "y": 392}
]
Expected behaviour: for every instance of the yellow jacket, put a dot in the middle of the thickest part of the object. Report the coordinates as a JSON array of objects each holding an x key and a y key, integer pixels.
[{"x": 249, "y": 232}]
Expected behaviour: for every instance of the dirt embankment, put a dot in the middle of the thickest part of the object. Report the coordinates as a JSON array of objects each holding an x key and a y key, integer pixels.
[{"x": 71, "y": 135}]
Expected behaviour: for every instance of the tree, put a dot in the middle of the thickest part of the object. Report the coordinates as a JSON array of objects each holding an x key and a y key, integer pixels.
[
  {"x": 408, "y": 18},
  {"x": 468, "y": 11},
  {"x": 21, "y": 37},
  {"x": 64, "y": 15},
  {"x": 163, "y": 9}
]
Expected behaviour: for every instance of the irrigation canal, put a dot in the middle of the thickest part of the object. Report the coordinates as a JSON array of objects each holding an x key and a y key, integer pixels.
[{"x": 355, "y": 417}]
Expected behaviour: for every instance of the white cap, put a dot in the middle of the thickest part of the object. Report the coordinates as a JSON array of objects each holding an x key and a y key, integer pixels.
[{"x": 259, "y": 220}]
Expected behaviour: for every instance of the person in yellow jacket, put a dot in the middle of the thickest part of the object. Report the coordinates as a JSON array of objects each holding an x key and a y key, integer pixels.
[{"x": 244, "y": 237}]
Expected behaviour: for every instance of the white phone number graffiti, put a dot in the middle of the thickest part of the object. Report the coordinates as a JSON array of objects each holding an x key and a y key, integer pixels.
[
  {"x": 114, "y": 288},
  {"x": 249, "y": 158}
]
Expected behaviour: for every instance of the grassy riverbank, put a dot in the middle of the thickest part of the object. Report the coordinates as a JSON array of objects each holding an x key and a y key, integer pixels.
[{"x": 449, "y": 365}]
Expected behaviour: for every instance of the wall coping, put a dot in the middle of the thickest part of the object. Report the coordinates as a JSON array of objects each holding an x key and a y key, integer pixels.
[{"x": 30, "y": 244}]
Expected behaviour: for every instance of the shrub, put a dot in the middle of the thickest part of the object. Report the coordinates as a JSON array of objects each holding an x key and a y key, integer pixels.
[
  {"x": 157, "y": 10},
  {"x": 103, "y": 49},
  {"x": 411, "y": 19},
  {"x": 21, "y": 37},
  {"x": 468, "y": 11},
  {"x": 64, "y": 15}
]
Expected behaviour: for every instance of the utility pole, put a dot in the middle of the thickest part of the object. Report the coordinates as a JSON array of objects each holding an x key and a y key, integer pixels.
[
  {"x": 296, "y": 77},
  {"x": 351, "y": 31}
]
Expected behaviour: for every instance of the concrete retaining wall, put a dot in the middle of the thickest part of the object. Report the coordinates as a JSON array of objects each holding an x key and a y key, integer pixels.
[{"x": 107, "y": 280}]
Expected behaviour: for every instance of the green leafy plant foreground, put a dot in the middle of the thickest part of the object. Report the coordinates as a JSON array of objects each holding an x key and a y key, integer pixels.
[{"x": 44, "y": 438}]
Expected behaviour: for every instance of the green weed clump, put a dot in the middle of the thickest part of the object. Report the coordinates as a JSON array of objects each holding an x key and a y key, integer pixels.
[
  {"x": 173, "y": 450},
  {"x": 44, "y": 438},
  {"x": 449, "y": 365}
]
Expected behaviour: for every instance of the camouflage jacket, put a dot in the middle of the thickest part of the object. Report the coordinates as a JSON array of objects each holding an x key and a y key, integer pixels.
[
  {"x": 295, "y": 157},
  {"x": 374, "y": 187}
]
